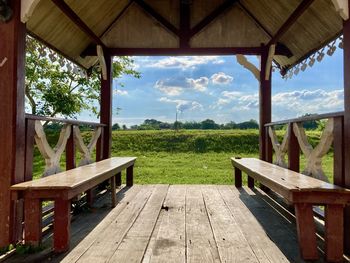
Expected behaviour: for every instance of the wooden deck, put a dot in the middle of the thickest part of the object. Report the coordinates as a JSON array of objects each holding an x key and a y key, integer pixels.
[{"x": 181, "y": 223}]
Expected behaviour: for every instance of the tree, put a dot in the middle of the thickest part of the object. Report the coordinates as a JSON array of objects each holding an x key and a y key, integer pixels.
[
  {"x": 54, "y": 85},
  {"x": 209, "y": 125},
  {"x": 115, "y": 127}
]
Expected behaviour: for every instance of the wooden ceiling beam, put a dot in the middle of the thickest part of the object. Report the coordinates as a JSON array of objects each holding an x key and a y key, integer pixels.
[
  {"x": 77, "y": 21},
  {"x": 212, "y": 16},
  {"x": 302, "y": 7},
  {"x": 185, "y": 23},
  {"x": 163, "y": 21},
  {"x": 184, "y": 51}
]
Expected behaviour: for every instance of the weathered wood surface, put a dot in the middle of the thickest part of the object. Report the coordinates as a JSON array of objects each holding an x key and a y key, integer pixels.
[
  {"x": 78, "y": 176},
  {"x": 285, "y": 181},
  {"x": 193, "y": 223}
]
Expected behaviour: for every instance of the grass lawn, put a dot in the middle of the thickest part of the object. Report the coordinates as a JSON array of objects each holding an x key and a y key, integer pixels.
[{"x": 189, "y": 157}]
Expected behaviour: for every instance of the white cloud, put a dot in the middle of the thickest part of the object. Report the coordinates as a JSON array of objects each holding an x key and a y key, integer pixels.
[
  {"x": 285, "y": 104},
  {"x": 221, "y": 78},
  {"x": 168, "y": 88},
  {"x": 185, "y": 62},
  {"x": 183, "y": 105},
  {"x": 198, "y": 84},
  {"x": 120, "y": 92}
]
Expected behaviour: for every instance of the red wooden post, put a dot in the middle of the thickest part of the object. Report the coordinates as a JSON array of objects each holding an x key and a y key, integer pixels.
[
  {"x": 70, "y": 151},
  {"x": 130, "y": 176},
  {"x": 12, "y": 133},
  {"x": 29, "y": 150},
  {"x": 99, "y": 147},
  {"x": 106, "y": 107},
  {"x": 338, "y": 162},
  {"x": 346, "y": 39},
  {"x": 293, "y": 151},
  {"x": 306, "y": 231},
  {"x": 61, "y": 225},
  {"x": 264, "y": 107},
  {"x": 238, "y": 177},
  {"x": 118, "y": 179},
  {"x": 33, "y": 218},
  {"x": 334, "y": 233}
]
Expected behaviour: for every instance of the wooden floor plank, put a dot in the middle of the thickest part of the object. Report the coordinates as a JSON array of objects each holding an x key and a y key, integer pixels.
[
  {"x": 108, "y": 240},
  {"x": 169, "y": 244},
  {"x": 264, "y": 249},
  {"x": 232, "y": 245},
  {"x": 135, "y": 242},
  {"x": 201, "y": 245}
]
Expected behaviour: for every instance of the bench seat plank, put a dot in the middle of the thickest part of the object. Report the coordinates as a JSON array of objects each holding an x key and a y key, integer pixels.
[
  {"x": 284, "y": 181},
  {"x": 76, "y": 177}
]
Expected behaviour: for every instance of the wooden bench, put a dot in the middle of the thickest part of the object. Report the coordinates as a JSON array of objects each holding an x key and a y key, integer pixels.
[
  {"x": 61, "y": 188},
  {"x": 303, "y": 192}
]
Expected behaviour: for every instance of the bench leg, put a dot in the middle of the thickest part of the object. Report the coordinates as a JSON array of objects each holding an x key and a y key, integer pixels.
[
  {"x": 90, "y": 196},
  {"x": 334, "y": 220},
  {"x": 118, "y": 179},
  {"x": 113, "y": 194},
  {"x": 32, "y": 221},
  {"x": 250, "y": 182},
  {"x": 238, "y": 177},
  {"x": 130, "y": 176},
  {"x": 61, "y": 225},
  {"x": 306, "y": 231}
]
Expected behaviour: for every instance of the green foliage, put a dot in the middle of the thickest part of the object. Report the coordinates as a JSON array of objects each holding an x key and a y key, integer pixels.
[
  {"x": 115, "y": 127},
  {"x": 55, "y": 85}
]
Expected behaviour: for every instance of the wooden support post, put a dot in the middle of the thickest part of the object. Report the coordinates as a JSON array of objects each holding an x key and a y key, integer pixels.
[
  {"x": 113, "y": 194},
  {"x": 99, "y": 147},
  {"x": 61, "y": 225},
  {"x": 334, "y": 233},
  {"x": 33, "y": 218},
  {"x": 106, "y": 107},
  {"x": 293, "y": 151},
  {"x": 306, "y": 231},
  {"x": 130, "y": 176},
  {"x": 238, "y": 177},
  {"x": 70, "y": 151},
  {"x": 346, "y": 39},
  {"x": 12, "y": 133},
  {"x": 251, "y": 182},
  {"x": 338, "y": 159},
  {"x": 265, "y": 146},
  {"x": 118, "y": 179}
]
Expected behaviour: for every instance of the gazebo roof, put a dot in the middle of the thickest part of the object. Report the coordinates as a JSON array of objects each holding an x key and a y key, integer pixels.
[{"x": 74, "y": 28}]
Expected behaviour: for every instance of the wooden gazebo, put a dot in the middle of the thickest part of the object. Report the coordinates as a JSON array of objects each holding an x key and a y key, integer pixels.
[{"x": 286, "y": 34}]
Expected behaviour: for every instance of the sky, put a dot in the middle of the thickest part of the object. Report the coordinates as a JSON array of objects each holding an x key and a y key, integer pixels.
[{"x": 218, "y": 88}]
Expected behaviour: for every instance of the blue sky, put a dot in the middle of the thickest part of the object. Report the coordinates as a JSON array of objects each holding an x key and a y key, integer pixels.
[{"x": 217, "y": 87}]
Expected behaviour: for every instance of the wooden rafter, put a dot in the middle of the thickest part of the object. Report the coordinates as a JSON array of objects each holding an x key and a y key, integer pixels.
[
  {"x": 163, "y": 21},
  {"x": 77, "y": 21},
  {"x": 302, "y": 7},
  {"x": 117, "y": 18},
  {"x": 212, "y": 16},
  {"x": 91, "y": 51},
  {"x": 185, "y": 24},
  {"x": 342, "y": 7}
]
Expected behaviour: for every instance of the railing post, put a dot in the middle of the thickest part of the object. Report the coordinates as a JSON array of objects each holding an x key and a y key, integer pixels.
[
  {"x": 293, "y": 151},
  {"x": 268, "y": 144},
  {"x": 70, "y": 151},
  {"x": 99, "y": 146},
  {"x": 338, "y": 146}
]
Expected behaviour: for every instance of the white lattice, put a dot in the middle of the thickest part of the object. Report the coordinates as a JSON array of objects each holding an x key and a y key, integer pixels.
[
  {"x": 280, "y": 148},
  {"x": 86, "y": 151},
  {"x": 52, "y": 156},
  {"x": 314, "y": 156}
]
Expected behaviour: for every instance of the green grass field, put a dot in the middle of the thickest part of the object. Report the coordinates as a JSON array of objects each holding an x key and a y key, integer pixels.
[{"x": 186, "y": 157}]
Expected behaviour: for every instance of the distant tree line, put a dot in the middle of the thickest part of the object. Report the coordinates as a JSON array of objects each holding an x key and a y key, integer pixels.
[{"x": 208, "y": 124}]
